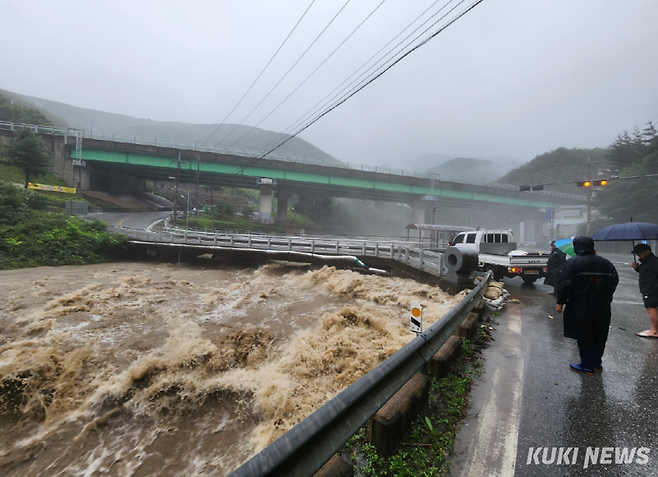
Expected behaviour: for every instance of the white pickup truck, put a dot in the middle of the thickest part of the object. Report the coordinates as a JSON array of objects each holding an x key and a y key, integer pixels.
[{"x": 497, "y": 252}]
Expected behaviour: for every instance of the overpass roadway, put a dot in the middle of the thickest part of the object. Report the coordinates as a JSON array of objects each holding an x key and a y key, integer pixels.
[{"x": 104, "y": 158}]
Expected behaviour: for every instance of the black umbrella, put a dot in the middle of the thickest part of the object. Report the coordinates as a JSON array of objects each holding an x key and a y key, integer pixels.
[{"x": 630, "y": 231}]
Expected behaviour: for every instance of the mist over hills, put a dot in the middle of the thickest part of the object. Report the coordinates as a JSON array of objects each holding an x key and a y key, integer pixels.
[
  {"x": 468, "y": 168},
  {"x": 460, "y": 168},
  {"x": 556, "y": 165},
  {"x": 226, "y": 135},
  {"x": 245, "y": 137}
]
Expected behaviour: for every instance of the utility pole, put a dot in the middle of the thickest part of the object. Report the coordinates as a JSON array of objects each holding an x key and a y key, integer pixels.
[
  {"x": 196, "y": 190},
  {"x": 589, "y": 193},
  {"x": 176, "y": 188},
  {"x": 187, "y": 216}
]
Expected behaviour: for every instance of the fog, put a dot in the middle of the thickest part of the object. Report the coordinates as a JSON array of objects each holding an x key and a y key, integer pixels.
[{"x": 506, "y": 81}]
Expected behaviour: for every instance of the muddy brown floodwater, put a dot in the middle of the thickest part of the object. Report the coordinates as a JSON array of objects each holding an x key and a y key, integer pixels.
[{"x": 144, "y": 369}]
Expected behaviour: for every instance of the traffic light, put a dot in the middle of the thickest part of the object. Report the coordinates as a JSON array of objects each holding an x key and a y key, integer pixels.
[
  {"x": 598, "y": 183},
  {"x": 525, "y": 188}
]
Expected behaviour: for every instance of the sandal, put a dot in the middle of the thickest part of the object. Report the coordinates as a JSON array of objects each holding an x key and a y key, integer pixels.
[{"x": 645, "y": 334}]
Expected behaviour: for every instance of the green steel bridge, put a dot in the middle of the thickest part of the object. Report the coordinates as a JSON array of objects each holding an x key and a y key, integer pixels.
[{"x": 108, "y": 161}]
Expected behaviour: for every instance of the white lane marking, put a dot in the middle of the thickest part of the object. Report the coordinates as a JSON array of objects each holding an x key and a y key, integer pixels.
[{"x": 494, "y": 443}]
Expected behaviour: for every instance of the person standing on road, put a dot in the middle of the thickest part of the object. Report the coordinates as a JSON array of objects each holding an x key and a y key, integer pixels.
[
  {"x": 648, "y": 270},
  {"x": 554, "y": 267},
  {"x": 585, "y": 293}
]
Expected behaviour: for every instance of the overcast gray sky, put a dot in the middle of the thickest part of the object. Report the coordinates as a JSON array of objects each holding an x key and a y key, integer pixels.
[{"x": 510, "y": 78}]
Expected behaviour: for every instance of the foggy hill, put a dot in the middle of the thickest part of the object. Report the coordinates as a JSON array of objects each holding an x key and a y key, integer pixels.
[
  {"x": 467, "y": 168},
  {"x": 461, "y": 168},
  {"x": 228, "y": 135},
  {"x": 561, "y": 166},
  {"x": 418, "y": 163}
]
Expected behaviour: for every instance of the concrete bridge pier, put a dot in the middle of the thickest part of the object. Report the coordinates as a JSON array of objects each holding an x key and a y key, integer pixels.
[
  {"x": 424, "y": 209},
  {"x": 81, "y": 177},
  {"x": 532, "y": 228},
  {"x": 282, "y": 196},
  {"x": 266, "y": 198}
]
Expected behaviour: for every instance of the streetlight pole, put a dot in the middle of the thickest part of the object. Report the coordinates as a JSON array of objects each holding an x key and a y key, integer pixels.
[
  {"x": 187, "y": 216},
  {"x": 589, "y": 193},
  {"x": 176, "y": 188}
]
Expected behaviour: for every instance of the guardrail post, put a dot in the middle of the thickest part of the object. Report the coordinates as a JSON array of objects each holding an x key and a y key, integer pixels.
[
  {"x": 420, "y": 259},
  {"x": 312, "y": 246}
]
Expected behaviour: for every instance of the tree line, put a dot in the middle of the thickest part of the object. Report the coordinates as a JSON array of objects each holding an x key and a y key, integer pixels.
[{"x": 634, "y": 159}]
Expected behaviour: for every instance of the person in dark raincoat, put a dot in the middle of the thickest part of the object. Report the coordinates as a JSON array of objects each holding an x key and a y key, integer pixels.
[
  {"x": 585, "y": 293},
  {"x": 554, "y": 267}
]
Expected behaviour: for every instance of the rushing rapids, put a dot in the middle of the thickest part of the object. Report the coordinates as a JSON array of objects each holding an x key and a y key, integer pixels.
[{"x": 158, "y": 369}]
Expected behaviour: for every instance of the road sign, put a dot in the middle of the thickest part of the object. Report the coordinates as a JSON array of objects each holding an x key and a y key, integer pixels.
[{"x": 416, "y": 318}]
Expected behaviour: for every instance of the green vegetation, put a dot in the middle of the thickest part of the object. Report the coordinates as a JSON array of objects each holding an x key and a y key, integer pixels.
[
  {"x": 236, "y": 136},
  {"x": 18, "y": 113},
  {"x": 428, "y": 444},
  {"x": 631, "y": 157},
  {"x": 621, "y": 200},
  {"x": 559, "y": 166},
  {"x": 29, "y": 153},
  {"x": 30, "y": 236}
]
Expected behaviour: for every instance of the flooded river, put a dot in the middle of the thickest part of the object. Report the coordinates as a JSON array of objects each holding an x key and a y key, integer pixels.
[{"x": 145, "y": 369}]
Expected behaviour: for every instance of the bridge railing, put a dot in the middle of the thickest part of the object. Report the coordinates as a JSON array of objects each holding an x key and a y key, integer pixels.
[
  {"x": 416, "y": 257},
  {"x": 188, "y": 146}
]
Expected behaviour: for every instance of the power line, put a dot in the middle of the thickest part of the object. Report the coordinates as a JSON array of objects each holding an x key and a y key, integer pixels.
[
  {"x": 315, "y": 109},
  {"x": 312, "y": 73},
  {"x": 286, "y": 74},
  {"x": 261, "y": 73},
  {"x": 375, "y": 76},
  {"x": 362, "y": 86}
]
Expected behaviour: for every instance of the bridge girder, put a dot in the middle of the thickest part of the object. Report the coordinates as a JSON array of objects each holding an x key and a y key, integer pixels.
[{"x": 161, "y": 163}]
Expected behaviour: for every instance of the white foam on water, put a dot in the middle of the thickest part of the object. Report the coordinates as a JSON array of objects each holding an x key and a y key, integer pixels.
[{"x": 126, "y": 368}]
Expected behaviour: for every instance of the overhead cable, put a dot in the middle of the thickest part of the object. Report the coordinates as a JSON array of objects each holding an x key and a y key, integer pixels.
[
  {"x": 315, "y": 109},
  {"x": 286, "y": 74},
  {"x": 312, "y": 73},
  {"x": 364, "y": 84},
  {"x": 261, "y": 73}
]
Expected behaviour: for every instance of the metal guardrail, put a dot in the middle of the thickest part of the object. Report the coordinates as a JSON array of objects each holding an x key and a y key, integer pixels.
[
  {"x": 187, "y": 146},
  {"x": 417, "y": 257},
  {"x": 305, "y": 448}
]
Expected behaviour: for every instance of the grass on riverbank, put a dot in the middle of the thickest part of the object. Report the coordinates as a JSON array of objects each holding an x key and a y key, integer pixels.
[
  {"x": 31, "y": 236},
  {"x": 426, "y": 448}
]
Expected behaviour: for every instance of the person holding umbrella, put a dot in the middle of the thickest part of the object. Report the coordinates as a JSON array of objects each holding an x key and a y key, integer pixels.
[
  {"x": 648, "y": 270},
  {"x": 585, "y": 292}
]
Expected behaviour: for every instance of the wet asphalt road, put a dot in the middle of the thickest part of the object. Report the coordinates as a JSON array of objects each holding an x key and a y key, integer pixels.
[
  {"x": 530, "y": 414},
  {"x": 528, "y": 398},
  {"x": 130, "y": 219}
]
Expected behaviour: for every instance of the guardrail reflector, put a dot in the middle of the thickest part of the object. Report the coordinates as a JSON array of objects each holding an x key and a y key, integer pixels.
[{"x": 416, "y": 319}]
